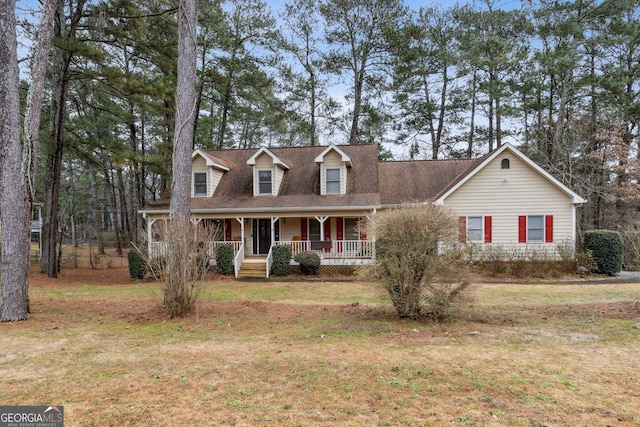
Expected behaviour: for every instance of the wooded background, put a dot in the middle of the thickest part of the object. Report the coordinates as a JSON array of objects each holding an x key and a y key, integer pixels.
[{"x": 560, "y": 80}]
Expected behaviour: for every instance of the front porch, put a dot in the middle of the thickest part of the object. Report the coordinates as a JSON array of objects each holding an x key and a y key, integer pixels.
[
  {"x": 337, "y": 238},
  {"x": 336, "y": 252}
]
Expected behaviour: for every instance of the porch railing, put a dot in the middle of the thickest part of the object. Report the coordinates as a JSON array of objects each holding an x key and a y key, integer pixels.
[
  {"x": 237, "y": 260},
  {"x": 157, "y": 249},
  {"x": 341, "y": 249},
  {"x": 345, "y": 249},
  {"x": 269, "y": 261}
]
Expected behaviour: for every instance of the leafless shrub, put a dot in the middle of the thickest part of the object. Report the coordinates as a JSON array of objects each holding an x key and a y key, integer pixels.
[
  {"x": 180, "y": 261},
  {"x": 418, "y": 261},
  {"x": 528, "y": 261},
  {"x": 632, "y": 248}
]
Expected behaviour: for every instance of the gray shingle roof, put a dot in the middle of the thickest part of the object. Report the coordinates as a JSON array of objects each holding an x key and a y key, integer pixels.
[
  {"x": 418, "y": 181},
  {"x": 370, "y": 183},
  {"x": 300, "y": 187}
]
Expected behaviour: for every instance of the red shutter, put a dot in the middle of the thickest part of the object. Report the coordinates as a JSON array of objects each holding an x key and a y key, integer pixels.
[
  {"x": 303, "y": 233},
  {"x": 327, "y": 232},
  {"x": 522, "y": 229},
  {"x": 340, "y": 232},
  {"x": 339, "y": 228},
  {"x": 548, "y": 228},
  {"x": 487, "y": 229},
  {"x": 303, "y": 229},
  {"x": 462, "y": 229},
  {"x": 227, "y": 229}
]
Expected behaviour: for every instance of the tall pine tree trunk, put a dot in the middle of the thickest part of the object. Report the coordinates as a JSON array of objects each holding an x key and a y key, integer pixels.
[
  {"x": 50, "y": 263},
  {"x": 14, "y": 255},
  {"x": 177, "y": 289},
  {"x": 17, "y": 184}
]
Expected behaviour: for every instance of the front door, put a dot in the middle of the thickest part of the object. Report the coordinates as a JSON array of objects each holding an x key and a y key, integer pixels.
[{"x": 261, "y": 236}]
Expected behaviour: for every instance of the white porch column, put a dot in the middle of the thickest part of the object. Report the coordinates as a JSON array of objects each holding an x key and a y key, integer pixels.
[
  {"x": 241, "y": 221},
  {"x": 274, "y": 219},
  {"x": 149, "y": 235},
  {"x": 321, "y": 220}
]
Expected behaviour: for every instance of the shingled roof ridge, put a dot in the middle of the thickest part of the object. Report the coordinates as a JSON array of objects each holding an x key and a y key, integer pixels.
[
  {"x": 424, "y": 160},
  {"x": 291, "y": 147}
]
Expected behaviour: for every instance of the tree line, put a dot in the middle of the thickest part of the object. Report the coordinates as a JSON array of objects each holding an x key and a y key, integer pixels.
[{"x": 558, "y": 79}]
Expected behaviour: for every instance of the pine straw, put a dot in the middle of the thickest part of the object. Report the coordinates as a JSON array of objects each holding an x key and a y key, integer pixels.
[{"x": 114, "y": 362}]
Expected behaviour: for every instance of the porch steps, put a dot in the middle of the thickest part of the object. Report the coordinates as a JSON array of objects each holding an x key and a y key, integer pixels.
[{"x": 253, "y": 268}]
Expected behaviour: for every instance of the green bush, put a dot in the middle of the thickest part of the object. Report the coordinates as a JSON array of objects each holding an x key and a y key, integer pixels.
[
  {"x": 309, "y": 262},
  {"x": 607, "y": 248},
  {"x": 281, "y": 258},
  {"x": 137, "y": 266},
  {"x": 224, "y": 258}
]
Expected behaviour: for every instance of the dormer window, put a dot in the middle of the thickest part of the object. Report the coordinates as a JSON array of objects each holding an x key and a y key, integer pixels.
[
  {"x": 333, "y": 164},
  {"x": 333, "y": 181},
  {"x": 268, "y": 172},
  {"x": 206, "y": 172},
  {"x": 199, "y": 184},
  {"x": 265, "y": 182}
]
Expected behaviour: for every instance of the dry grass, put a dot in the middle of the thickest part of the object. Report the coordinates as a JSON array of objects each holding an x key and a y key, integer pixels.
[{"x": 322, "y": 353}]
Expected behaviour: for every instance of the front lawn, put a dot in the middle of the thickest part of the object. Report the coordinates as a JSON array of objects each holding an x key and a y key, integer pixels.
[{"x": 323, "y": 353}]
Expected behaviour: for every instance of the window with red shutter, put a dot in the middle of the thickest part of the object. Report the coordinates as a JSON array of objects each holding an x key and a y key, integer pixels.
[{"x": 535, "y": 228}]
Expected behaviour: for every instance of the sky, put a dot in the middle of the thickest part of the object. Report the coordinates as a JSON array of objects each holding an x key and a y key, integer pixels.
[{"x": 28, "y": 9}]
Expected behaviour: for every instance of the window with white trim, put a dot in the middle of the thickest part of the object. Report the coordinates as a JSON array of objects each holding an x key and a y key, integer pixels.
[
  {"x": 332, "y": 177},
  {"x": 535, "y": 228},
  {"x": 265, "y": 183},
  {"x": 199, "y": 184},
  {"x": 475, "y": 229}
]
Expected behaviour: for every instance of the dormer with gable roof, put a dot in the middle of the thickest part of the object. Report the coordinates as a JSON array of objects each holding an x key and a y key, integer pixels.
[
  {"x": 268, "y": 172},
  {"x": 333, "y": 164},
  {"x": 206, "y": 173}
]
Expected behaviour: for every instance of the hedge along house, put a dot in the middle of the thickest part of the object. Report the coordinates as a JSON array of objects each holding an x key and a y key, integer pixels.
[{"x": 315, "y": 198}]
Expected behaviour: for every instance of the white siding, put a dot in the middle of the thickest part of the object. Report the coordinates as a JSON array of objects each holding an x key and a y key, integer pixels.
[
  {"x": 215, "y": 177},
  {"x": 277, "y": 180},
  {"x": 505, "y": 194}
]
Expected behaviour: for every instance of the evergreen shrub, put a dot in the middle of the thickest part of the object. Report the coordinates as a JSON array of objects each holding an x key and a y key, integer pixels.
[
  {"x": 137, "y": 265},
  {"x": 224, "y": 258},
  {"x": 309, "y": 262},
  {"x": 281, "y": 258},
  {"x": 607, "y": 247}
]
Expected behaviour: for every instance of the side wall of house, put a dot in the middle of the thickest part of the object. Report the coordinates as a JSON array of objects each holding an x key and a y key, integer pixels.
[{"x": 506, "y": 195}]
